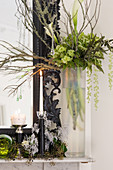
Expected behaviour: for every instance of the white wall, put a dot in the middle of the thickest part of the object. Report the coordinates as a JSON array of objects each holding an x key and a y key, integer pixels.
[
  {"x": 10, "y": 33},
  {"x": 102, "y": 119}
]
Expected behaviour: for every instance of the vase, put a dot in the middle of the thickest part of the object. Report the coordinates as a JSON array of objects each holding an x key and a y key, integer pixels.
[{"x": 73, "y": 110}]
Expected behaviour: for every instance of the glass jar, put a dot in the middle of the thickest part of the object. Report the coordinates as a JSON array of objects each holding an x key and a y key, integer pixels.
[{"x": 73, "y": 110}]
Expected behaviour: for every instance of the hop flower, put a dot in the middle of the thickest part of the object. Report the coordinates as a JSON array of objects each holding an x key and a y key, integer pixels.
[
  {"x": 66, "y": 59},
  {"x": 71, "y": 53},
  {"x": 62, "y": 49}
]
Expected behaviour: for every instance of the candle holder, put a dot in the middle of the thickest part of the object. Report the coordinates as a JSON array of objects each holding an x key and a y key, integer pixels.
[
  {"x": 19, "y": 137},
  {"x": 41, "y": 116},
  {"x": 19, "y": 132}
]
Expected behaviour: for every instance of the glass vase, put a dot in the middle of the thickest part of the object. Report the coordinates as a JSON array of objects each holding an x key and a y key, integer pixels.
[{"x": 73, "y": 110}]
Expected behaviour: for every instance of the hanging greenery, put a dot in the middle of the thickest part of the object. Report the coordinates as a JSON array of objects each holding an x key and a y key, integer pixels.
[{"x": 75, "y": 49}]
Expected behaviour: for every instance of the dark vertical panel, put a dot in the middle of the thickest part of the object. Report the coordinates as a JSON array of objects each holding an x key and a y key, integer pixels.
[{"x": 40, "y": 49}]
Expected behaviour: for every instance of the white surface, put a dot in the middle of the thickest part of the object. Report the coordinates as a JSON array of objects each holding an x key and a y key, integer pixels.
[
  {"x": 39, "y": 166},
  {"x": 54, "y": 164},
  {"x": 10, "y": 33},
  {"x": 102, "y": 119},
  {"x": 59, "y": 166},
  {"x": 85, "y": 166},
  {"x": 68, "y": 160},
  {"x": 22, "y": 166}
]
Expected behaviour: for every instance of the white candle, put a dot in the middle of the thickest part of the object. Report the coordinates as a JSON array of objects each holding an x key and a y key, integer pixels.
[
  {"x": 18, "y": 119},
  {"x": 41, "y": 94}
]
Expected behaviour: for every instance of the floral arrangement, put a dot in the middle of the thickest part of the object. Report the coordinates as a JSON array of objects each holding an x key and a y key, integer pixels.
[
  {"x": 55, "y": 147},
  {"x": 78, "y": 49},
  {"x": 74, "y": 49},
  {"x": 54, "y": 144}
]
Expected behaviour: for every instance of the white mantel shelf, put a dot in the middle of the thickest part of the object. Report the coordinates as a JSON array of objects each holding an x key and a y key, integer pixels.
[{"x": 64, "y": 160}]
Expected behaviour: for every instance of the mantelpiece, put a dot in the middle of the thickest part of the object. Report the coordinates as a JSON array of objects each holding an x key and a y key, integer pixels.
[
  {"x": 64, "y": 160},
  {"x": 53, "y": 164}
]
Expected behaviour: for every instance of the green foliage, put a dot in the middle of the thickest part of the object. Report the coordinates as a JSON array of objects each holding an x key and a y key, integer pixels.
[
  {"x": 58, "y": 148},
  {"x": 25, "y": 153},
  {"x": 14, "y": 151},
  {"x": 8, "y": 150},
  {"x": 96, "y": 88},
  {"x": 89, "y": 85},
  {"x": 87, "y": 51},
  {"x": 110, "y": 74},
  {"x": 75, "y": 96},
  {"x": 76, "y": 7}
]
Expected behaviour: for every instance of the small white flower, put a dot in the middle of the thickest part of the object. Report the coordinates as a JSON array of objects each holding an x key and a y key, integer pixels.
[
  {"x": 25, "y": 142},
  {"x": 62, "y": 134},
  {"x": 35, "y": 128},
  {"x": 47, "y": 124},
  {"x": 47, "y": 146},
  {"x": 49, "y": 136}
]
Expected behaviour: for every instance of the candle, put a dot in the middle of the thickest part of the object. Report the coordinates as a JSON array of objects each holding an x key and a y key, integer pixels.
[
  {"x": 18, "y": 119},
  {"x": 41, "y": 94}
]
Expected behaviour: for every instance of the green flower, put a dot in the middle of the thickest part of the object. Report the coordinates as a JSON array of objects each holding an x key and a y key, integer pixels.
[
  {"x": 57, "y": 47},
  {"x": 56, "y": 55},
  {"x": 62, "y": 49},
  {"x": 98, "y": 54},
  {"x": 66, "y": 59},
  {"x": 61, "y": 55},
  {"x": 71, "y": 53},
  {"x": 59, "y": 65},
  {"x": 25, "y": 142}
]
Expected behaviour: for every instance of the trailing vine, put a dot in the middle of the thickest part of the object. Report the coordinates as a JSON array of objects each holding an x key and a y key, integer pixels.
[
  {"x": 110, "y": 74},
  {"x": 89, "y": 85},
  {"x": 96, "y": 88}
]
